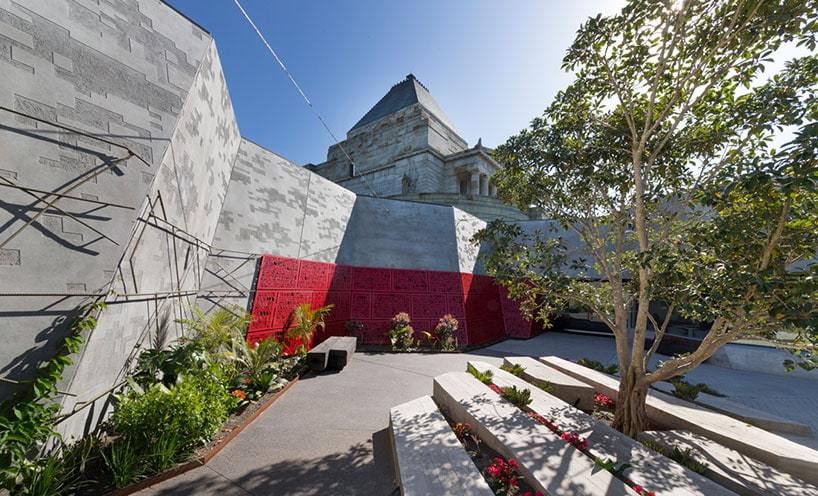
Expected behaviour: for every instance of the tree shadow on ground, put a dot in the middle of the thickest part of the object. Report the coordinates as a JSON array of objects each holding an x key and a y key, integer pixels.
[{"x": 366, "y": 468}]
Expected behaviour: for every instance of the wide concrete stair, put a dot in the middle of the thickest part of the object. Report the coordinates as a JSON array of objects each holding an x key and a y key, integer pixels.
[
  {"x": 547, "y": 463},
  {"x": 740, "y": 473},
  {"x": 649, "y": 470},
  {"x": 674, "y": 413},
  {"x": 428, "y": 457},
  {"x": 570, "y": 390}
]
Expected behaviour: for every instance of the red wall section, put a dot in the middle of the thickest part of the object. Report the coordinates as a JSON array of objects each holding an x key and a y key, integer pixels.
[{"x": 373, "y": 296}]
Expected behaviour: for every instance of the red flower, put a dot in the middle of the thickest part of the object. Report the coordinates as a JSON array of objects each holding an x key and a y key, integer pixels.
[
  {"x": 247, "y": 380},
  {"x": 238, "y": 393}
]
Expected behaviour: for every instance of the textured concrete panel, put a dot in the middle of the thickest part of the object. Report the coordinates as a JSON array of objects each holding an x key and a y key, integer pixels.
[{"x": 169, "y": 248}]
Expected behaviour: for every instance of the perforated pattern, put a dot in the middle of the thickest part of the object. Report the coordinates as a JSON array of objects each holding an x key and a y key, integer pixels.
[
  {"x": 409, "y": 281},
  {"x": 369, "y": 279}
]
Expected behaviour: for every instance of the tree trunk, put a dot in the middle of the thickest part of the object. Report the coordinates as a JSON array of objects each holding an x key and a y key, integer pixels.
[{"x": 631, "y": 417}]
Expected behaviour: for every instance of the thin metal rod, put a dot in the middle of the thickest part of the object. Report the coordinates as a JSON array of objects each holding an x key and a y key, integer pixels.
[
  {"x": 12, "y": 381},
  {"x": 39, "y": 199},
  {"x": 70, "y": 197},
  {"x": 77, "y": 131},
  {"x": 50, "y": 203}
]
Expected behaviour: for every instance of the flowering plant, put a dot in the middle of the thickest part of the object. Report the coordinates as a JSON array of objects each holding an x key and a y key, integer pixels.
[
  {"x": 462, "y": 430},
  {"x": 573, "y": 438},
  {"x": 529, "y": 493},
  {"x": 502, "y": 475},
  {"x": 497, "y": 389},
  {"x": 238, "y": 393},
  {"x": 542, "y": 420},
  {"x": 641, "y": 491},
  {"x": 400, "y": 333},
  {"x": 603, "y": 402}
]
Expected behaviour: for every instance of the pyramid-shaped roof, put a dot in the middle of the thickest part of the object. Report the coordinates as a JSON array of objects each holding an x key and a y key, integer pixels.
[{"x": 406, "y": 93}]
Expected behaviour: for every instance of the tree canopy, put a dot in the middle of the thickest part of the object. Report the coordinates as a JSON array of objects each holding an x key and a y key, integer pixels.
[{"x": 687, "y": 173}]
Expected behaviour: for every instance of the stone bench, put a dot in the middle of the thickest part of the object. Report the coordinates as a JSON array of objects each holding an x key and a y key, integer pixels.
[
  {"x": 745, "y": 413},
  {"x": 547, "y": 463},
  {"x": 428, "y": 457},
  {"x": 341, "y": 352},
  {"x": 742, "y": 474},
  {"x": 649, "y": 470},
  {"x": 566, "y": 388},
  {"x": 333, "y": 353},
  {"x": 674, "y": 413}
]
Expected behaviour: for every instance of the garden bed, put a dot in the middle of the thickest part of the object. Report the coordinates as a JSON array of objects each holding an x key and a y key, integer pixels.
[{"x": 232, "y": 427}]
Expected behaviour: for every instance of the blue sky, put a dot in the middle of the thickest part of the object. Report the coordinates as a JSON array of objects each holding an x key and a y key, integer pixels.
[{"x": 491, "y": 65}]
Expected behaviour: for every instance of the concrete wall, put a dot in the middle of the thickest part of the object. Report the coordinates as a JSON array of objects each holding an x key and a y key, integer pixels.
[{"x": 120, "y": 71}]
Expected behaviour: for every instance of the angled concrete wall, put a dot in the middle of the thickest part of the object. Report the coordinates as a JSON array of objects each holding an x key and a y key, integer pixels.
[{"x": 120, "y": 71}]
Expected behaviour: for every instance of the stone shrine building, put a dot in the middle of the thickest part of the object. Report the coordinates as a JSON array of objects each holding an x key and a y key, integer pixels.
[{"x": 406, "y": 148}]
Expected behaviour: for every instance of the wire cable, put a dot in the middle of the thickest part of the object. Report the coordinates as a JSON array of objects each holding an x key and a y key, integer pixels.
[{"x": 303, "y": 95}]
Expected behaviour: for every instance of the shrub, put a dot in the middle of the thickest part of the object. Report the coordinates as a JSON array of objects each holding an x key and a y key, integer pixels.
[
  {"x": 484, "y": 377},
  {"x": 521, "y": 398},
  {"x": 166, "y": 366},
  {"x": 515, "y": 369},
  {"x": 259, "y": 361},
  {"x": 215, "y": 330},
  {"x": 593, "y": 364},
  {"x": 304, "y": 323},
  {"x": 684, "y": 458},
  {"x": 401, "y": 334},
  {"x": 125, "y": 461},
  {"x": 545, "y": 386},
  {"x": 445, "y": 330},
  {"x": 192, "y": 410},
  {"x": 686, "y": 391},
  {"x": 502, "y": 475}
]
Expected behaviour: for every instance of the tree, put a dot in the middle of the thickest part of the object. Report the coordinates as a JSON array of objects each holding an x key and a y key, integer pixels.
[{"x": 659, "y": 163}]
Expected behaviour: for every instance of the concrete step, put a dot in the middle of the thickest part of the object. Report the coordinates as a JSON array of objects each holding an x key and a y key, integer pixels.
[
  {"x": 745, "y": 413},
  {"x": 650, "y": 470},
  {"x": 548, "y": 464},
  {"x": 742, "y": 474},
  {"x": 674, "y": 413},
  {"x": 428, "y": 457},
  {"x": 566, "y": 388}
]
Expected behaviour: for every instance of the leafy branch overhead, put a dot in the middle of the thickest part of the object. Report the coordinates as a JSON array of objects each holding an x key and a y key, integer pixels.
[{"x": 673, "y": 169}]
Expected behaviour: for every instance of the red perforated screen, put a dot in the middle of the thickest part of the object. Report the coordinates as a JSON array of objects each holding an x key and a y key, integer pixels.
[{"x": 373, "y": 296}]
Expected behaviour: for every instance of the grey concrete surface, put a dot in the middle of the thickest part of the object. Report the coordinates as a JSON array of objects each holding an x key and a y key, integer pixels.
[{"x": 327, "y": 435}]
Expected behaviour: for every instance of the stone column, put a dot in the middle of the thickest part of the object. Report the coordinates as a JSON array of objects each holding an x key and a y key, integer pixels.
[
  {"x": 492, "y": 190},
  {"x": 484, "y": 185},
  {"x": 474, "y": 188}
]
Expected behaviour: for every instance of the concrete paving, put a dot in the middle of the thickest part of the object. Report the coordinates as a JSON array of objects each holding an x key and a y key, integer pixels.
[{"x": 328, "y": 434}]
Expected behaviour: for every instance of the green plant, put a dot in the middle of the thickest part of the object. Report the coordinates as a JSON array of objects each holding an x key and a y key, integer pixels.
[
  {"x": 545, "y": 386},
  {"x": 445, "y": 330},
  {"x": 166, "y": 452},
  {"x": 520, "y": 398},
  {"x": 400, "y": 332},
  {"x": 515, "y": 369},
  {"x": 599, "y": 366},
  {"x": 686, "y": 391},
  {"x": 192, "y": 410},
  {"x": 215, "y": 330},
  {"x": 125, "y": 461},
  {"x": 486, "y": 377},
  {"x": 617, "y": 469},
  {"x": 166, "y": 365},
  {"x": 27, "y": 420},
  {"x": 258, "y": 360},
  {"x": 305, "y": 321},
  {"x": 684, "y": 458}
]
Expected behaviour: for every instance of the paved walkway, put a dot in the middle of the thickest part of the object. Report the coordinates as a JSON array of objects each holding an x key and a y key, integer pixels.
[{"x": 328, "y": 434}]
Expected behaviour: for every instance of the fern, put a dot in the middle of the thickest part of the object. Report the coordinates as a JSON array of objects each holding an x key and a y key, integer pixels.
[{"x": 485, "y": 377}]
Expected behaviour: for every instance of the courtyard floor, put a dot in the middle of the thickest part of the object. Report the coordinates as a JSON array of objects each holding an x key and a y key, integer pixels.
[{"x": 329, "y": 433}]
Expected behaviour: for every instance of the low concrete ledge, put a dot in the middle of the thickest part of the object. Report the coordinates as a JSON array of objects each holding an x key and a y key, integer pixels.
[
  {"x": 428, "y": 457},
  {"x": 566, "y": 388},
  {"x": 674, "y": 413},
  {"x": 340, "y": 352},
  {"x": 742, "y": 474},
  {"x": 548, "y": 464},
  {"x": 746, "y": 414},
  {"x": 651, "y": 471}
]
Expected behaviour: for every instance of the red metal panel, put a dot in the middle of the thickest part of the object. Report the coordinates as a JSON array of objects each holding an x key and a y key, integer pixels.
[
  {"x": 342, "y": 306},
  {"x": 429, "y": 306},
  {"x": 375, "y": 331},
  {"x": 287, "y": 301},
  {"x": 339, "y": 277},
  {"x": 278, "y": 273},
  {"x": 409, "y": 281},
  {"x": 445, "y": 282},
  {"x": 264, "y": 306},
  {"x": 457, "y": 306},
  {"x": 483, "y": 305},
  {"x": 370, "y": 279},
  {"x": 387, "y": 305},
  {"x": 313, "y": 275},
  {"x": 361, "y": 306}
]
